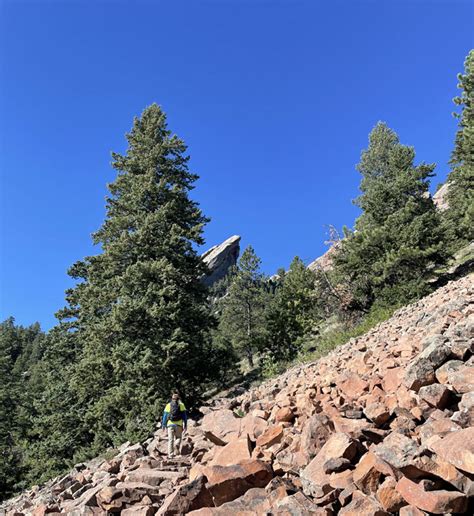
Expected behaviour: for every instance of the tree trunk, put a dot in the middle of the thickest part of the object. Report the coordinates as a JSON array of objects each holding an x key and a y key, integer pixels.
[{"x": 250, "y": 356}]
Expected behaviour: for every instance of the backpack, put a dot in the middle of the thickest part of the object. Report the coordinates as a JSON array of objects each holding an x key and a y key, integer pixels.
[{"x": 175, "y": 411}]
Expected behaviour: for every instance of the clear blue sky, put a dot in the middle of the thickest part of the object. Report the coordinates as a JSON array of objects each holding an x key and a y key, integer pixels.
[{"x": 275, "y": 100}]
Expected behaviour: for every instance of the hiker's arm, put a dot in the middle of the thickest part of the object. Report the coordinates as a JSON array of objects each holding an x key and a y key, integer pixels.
[
  {"x": 185, "y": 419},
  {"x": 164, "y": 420}
]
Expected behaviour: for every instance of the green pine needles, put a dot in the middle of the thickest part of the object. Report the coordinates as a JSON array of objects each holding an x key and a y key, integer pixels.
[
  {"x": 460, "y": 213},
  {"x": 138, "y": 318},
  {"x": 398, "y": 240}
]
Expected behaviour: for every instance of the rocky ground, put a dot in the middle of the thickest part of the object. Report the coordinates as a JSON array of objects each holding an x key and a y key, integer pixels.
[{"x": 382, "y": 425}]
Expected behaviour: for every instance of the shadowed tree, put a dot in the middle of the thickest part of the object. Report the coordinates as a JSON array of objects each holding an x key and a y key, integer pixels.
[
  {"x": 460, "y": 213},
  {"x": 139, "y": 314}
]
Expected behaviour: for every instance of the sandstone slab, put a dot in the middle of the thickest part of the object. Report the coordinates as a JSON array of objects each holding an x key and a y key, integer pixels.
[
  {"x": 436, "y": 502},
  {"x": 457, "y": 448},
  {"x": 226, "y": 483}
]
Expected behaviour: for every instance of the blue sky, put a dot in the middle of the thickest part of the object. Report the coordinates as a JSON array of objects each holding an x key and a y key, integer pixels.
[{"x": 275, "y": 100}]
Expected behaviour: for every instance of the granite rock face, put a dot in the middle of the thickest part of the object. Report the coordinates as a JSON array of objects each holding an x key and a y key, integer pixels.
[
  {"x": 220, "y": 258},
  {"x": 382, "y": 425}
]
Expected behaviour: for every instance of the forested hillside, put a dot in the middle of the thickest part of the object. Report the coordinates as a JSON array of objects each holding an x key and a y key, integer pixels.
[{"x": 140, "y": 319}]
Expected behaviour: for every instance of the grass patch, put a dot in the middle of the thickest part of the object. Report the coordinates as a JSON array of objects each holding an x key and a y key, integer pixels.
[
  {"x": 331, "y": 339},
  {"x": 109, "y": 453},
  {"x": 334, "y": 338}
]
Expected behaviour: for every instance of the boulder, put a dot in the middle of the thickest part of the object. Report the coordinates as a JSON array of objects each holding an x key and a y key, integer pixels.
[
  {"x": 463, "y": 380},
  {"x": 316, "y": 432},
  {"x": 271, "y": 436},
  {"x": 436, "y": 501},
  {"x": 421, "y": 371},
  {"x": 152, "y": 477},
  {"x": 297, "y": 504},
  {"x": 226, "y": 483},
  {"x": 369, "y": 471},
  {"x": 253, "y": 426},
  {"x": 388, "y": 496},
  {"x": 378, "y": 413},
  {"x": 189, "y": 497},
  {"x": 254, "y": 501},
  {"x": 284, "y": 415},
  {"x": 353, "y": 386},
  {"x": 436, "y": 427},
  {"x": 111, "y": 499},
  {"x": 222, "y": 423},
  {"x": 448, "y": 371},
  {"x": 316, "y": 482},
  {"x": 235, "y": 452},
  {"x": 457, "y": 448},
  {"x": 398, "y": 451},
  {"x": 436, "y": 395},
  {"x": 362, "y": 504}
]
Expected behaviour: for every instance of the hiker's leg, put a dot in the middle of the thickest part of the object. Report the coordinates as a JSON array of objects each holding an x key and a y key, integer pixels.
[
  {"x": 170, "y": 441},
  {"x": 179, "y": 435}
]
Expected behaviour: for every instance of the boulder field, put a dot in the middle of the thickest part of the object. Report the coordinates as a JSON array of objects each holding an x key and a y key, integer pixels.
[{"x": 382, "y": 425}]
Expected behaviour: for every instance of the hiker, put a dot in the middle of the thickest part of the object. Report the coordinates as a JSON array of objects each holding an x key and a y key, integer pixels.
[{"x": 174, "y": 420}]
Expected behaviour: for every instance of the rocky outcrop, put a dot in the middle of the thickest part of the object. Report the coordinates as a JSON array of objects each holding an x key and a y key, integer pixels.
[
  {"x": 325, "y": 261},
  {"x": 382, "y": 425},
  {"x": 220, "y": 258},
  {"x": 440, "y": 198}
]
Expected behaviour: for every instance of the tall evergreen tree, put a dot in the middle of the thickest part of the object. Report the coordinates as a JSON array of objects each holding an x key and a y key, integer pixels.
[
  {"x": 21, "y": 349},
  {"x": 139, "y": 312},
  {"x": 398, "y": 239},
  {"x": 9, "y": 464},
  {"x": 242, "y": 321},
  {"x": 292, "y": 313},
  {"x": 460, "y": 212},
  {"x": 57, "y": 429}
]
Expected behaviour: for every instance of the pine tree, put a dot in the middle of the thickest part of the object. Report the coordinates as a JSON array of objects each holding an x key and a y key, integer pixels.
[
  {"x": 242, "y": 320},
  {"x": 9, "y": 467},
  {"x": 292, "y": 313},
  {"x": 139, "y": 311},
  {"x": 20, "y": 351},
  {"x": 398, "y": 240},
  {"x": 56, "y": 426},
  {"x": 460, "y": 212}
]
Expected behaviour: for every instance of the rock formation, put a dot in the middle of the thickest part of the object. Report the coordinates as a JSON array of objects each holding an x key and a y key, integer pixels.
[
  {"x": 440, "y": 197},
  {"x": 325, "y": 261},
  {"x": 382, "y": 425},
  {"x": 220, "y": 258}
]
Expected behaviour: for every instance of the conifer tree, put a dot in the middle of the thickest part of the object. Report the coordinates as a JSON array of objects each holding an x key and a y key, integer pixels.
[
  {"x": 398, "y": 239},
  {"x": 8, "y": 421},
  {"x": 242, "y": 320},
  {"x": 139, "y": 312},
  {"x": 57, "y": 429},
  {"x": 460, "y": 212},
  {"x": 20, "y": 351},
  {"x": 292, "y": 313}
]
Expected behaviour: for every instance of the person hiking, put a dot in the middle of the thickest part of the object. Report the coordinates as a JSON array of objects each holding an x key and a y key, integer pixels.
[{"x": 175, "y": 421}]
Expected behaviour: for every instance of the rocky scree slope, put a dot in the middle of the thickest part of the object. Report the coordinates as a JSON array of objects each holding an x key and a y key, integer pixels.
[{"x": 382, "y": 425}]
